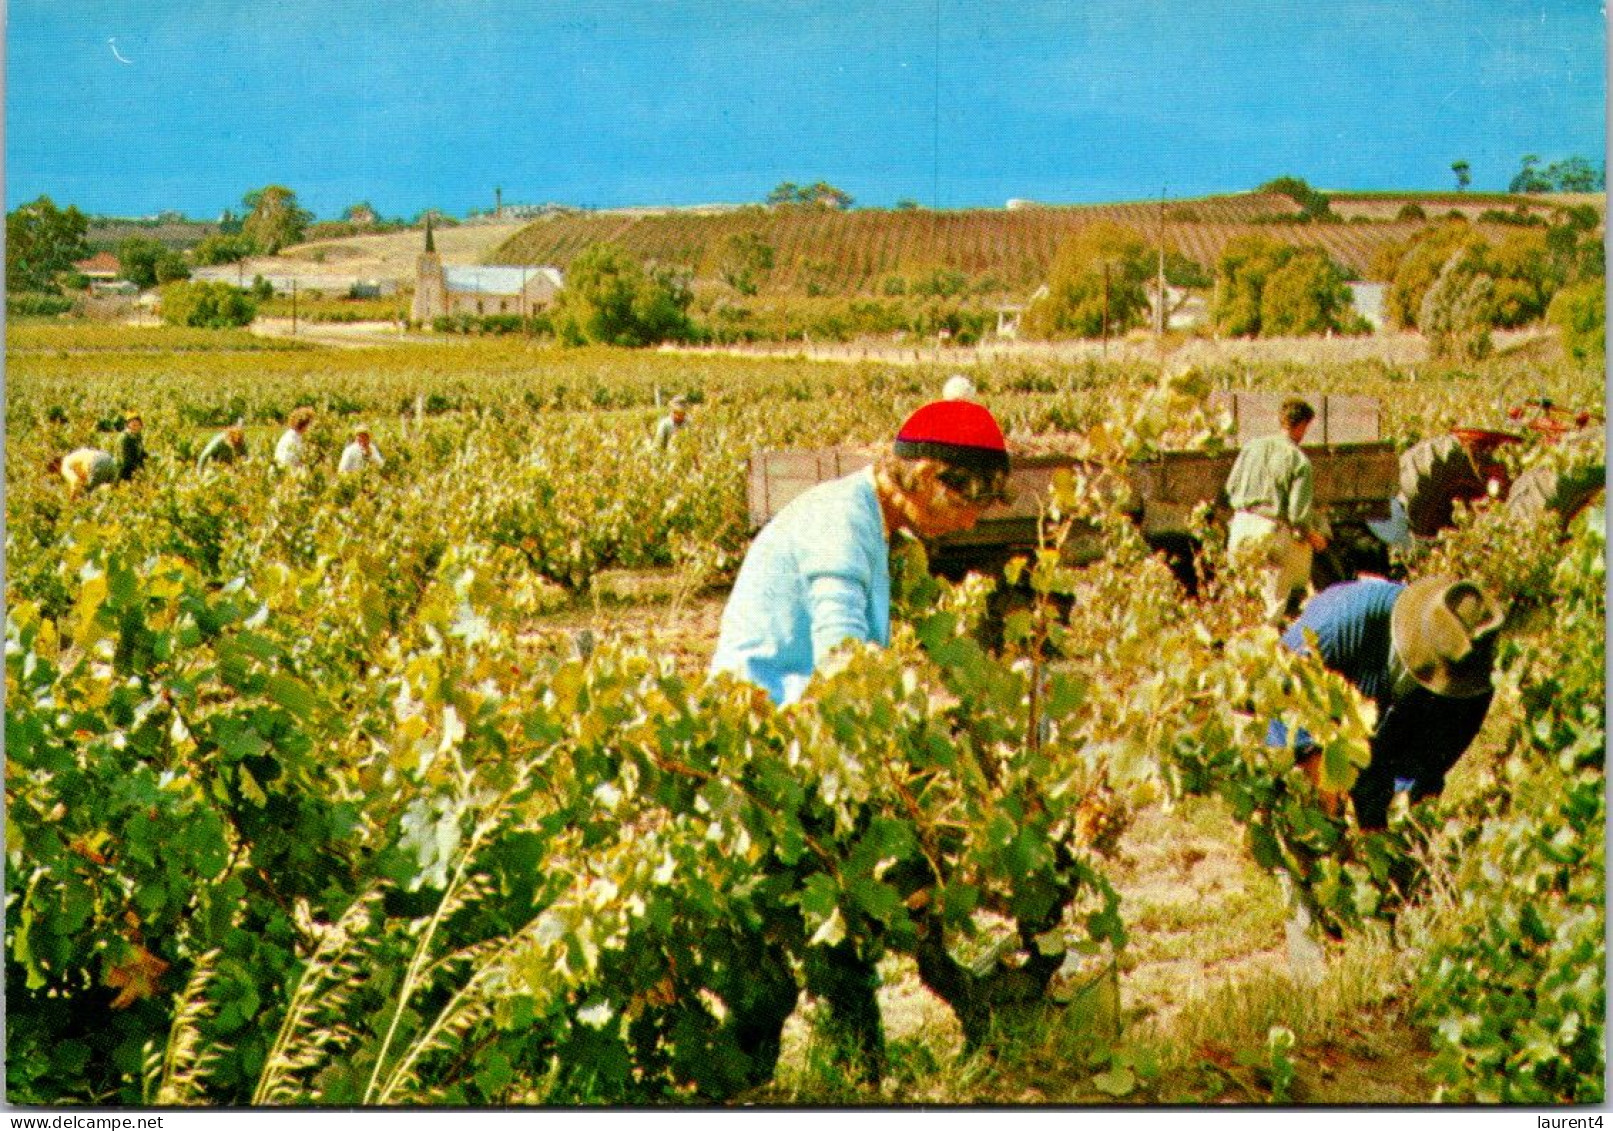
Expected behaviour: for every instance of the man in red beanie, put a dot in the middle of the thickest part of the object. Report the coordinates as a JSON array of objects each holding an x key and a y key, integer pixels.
[{"x": 819, "y": 573}]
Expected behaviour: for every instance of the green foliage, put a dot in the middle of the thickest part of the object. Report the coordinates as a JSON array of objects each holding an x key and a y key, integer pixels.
[
  {"x": 610, "y": 299},
  {"x": 466, "y": 323},
  {"x": 1458, "y": 310},
  {"x": 42, "y": 241},
  {"x": 29, "y": 304},
  {"x": 746, "y": 260},
  {"x": 1513, "y": 980},
  {"x": 819, "y": 194},
  {"x": 1579, "y": 311},
  {"x": 1525, "y": 277},
  {"x": 207, "y": 305},
  {"x": 1573, "y": 174},
  {"x": 1454, "y": 286},
  {"x": 381, "y": 842},
  {"x": 1464, "y": 174},
  {"x": 1314, "y": 206},
  {"x": 1181, "y": 271},
  {"x": 274, "y": 219},
  {"x": 1413, "y": 268},
  {"x": 1097, "y": 286},
  {"x": 147, "y": 263},
  {"x": 1266, "y": 288},
  {"x": 835, "y": 319},
  {"x": 1306, "y": 295},
  {"x": 1520, "y": 216},
  {"x": 221, "y": 248},
  {"x": 1580, "y": 217},
  {"x": 941, "y": 282}
]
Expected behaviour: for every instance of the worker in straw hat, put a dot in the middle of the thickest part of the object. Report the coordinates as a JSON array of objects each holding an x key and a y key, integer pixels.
[
  {"x": 361, "y": 453},
  {"x": 1423, "y": 653},
  {"x": 819, "y": 572}
]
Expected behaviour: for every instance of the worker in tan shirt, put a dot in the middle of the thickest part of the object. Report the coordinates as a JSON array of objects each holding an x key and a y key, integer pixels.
[{"x": 1273, "y": 522}]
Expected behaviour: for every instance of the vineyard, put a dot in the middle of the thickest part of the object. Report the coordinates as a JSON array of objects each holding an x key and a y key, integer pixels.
[
  {"x": 383, "y": 790},
  {"x": 998, "y": 251}
]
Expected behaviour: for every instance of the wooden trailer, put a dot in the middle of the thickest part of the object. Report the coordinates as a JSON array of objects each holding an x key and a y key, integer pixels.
[{"x": 1356, "y": 475}]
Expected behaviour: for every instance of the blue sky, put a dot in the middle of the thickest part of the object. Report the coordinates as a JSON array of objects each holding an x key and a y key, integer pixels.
[{"x": 954, "y": 103}]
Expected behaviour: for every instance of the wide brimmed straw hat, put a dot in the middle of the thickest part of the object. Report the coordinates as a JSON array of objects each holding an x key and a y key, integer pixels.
[{"x": 1444, "y": 631}]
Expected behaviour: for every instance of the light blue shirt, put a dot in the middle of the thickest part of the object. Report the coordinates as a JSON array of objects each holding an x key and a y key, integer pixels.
[{"x": 817, "y": 575}]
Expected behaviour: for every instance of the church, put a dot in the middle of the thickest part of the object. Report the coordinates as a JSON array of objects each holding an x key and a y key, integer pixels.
[{"x": 480, "y": 291}]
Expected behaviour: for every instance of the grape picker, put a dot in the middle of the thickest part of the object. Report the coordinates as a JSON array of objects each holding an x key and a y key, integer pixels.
[
  {"x": 1423, "y": 653},
  {"x": 1273, "y": 524},
  {"x": 819, "y": 572}
]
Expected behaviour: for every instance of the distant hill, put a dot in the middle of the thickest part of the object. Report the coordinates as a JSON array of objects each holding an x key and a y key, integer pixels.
[
  {"x": 180, "y": 235},
  {"x": 1006, "y": 251},
  {"x": 387, "y": 255}
]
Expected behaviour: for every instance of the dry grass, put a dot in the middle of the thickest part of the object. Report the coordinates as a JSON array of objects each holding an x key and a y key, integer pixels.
[{"x": 390, "y": 255}]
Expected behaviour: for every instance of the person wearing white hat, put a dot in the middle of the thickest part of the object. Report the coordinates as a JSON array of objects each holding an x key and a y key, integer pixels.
[
  {"x": 361, "y": 453},
  {"x": 1423, "y": 653}
]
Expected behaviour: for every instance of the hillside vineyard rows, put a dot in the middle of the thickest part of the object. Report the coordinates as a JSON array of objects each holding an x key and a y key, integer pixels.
[
  {"x": 305, "y": 807},
  {"x": 855, "y": 252}
]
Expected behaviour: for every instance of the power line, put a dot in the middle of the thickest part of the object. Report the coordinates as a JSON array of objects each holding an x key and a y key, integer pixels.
[{"x": 935, "y": 137}]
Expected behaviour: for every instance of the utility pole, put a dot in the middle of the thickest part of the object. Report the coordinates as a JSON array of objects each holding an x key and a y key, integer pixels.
[
  {"x": 294, "y": 305},
  {"x": 1161, "y": 318},
  {"x": 1106, "y": 309},
  {"x": 1159, "y": 313}
]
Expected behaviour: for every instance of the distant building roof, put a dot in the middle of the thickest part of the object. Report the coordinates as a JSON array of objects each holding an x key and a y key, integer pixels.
[
  {"x": 496, "y": 280},
  {"x": 101, "y": 263}
]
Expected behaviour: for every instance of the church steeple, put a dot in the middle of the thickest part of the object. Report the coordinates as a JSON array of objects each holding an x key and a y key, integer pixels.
[{"x": 430, "y": 282}]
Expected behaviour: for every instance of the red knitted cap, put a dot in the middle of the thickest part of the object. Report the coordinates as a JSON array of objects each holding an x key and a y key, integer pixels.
[{"x": 956, "y": 432}]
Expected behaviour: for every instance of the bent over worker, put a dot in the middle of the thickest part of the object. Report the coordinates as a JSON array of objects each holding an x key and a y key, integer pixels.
[
  {"x": 224, "y": 448},
  {"x": 1436, "y": 474},
  {"x": 1273, "y": 522},
  {"x": 86, "y": 469},
  {"x": 819, "y": 572},
  {"x": 1423, "y": 653}
]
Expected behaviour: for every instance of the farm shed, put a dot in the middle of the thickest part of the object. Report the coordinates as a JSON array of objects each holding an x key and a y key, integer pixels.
[
  {"x": 100, "y": 267},
  {"x": 1368, "y": 299}
]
